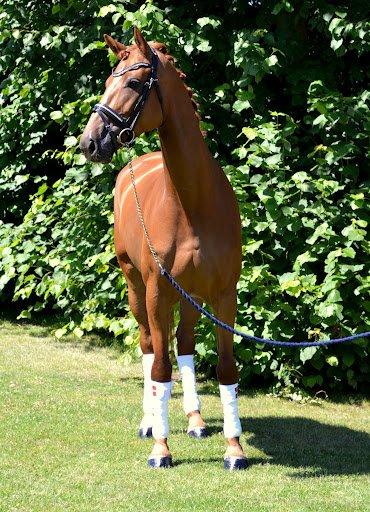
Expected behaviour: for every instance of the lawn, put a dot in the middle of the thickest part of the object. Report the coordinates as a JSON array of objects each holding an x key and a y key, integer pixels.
[{"x": 69, "y": 413}]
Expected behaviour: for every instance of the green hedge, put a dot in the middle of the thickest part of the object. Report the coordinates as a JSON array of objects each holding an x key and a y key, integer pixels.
[{"x": 282, "y": 87}]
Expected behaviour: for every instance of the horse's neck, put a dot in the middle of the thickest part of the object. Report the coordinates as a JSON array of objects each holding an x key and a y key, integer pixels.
[{"x": 190, "y": 166}]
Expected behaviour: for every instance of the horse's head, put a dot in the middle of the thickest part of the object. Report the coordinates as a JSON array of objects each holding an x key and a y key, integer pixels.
[{"x": 131, "y": 103}]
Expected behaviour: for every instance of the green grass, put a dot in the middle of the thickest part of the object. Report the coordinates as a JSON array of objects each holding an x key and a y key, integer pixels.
[{"x": 69, "y": 414}]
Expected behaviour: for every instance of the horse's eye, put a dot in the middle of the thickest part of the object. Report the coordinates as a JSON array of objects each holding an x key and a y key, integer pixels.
[{"x": 134, "y": 84}]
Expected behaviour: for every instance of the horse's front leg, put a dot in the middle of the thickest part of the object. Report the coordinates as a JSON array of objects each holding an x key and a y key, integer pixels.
[
  {"x": 159, "y": 315},
  {"x": 137, "y": 302},
  {"x": 227, "y": 373}
]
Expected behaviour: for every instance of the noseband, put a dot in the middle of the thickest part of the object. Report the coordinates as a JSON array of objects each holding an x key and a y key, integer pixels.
[{"x": 126, "y": 136}]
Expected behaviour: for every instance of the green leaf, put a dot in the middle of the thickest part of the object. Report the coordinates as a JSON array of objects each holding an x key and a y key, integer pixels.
[
  {"x": 78, "y": 332},
  {"x": 327, "y": 16},
  {"x": 352, "y": 232},
  {"x": 45, "y": 40},
  {"x": 116, "y": 17},
  {"x": 252, "y": 246},
  {"x": 241, "y": 105},
  {"x": 201, "y": 349},
  {"x": 271, "y": 61},
  {"x": 204, "y": 46},
  {"x": 336, "y": 43},
  {"x": 70, "y": 141},
  {"x": 59, "y": 333},
  {"x": 79, "y": 159},
  {"x": 320, "y": 120},
  {"x": 21, "y": 178},
  {"x": 349, "y": 252},
  {"x": 54, "y": 262},
  {"x": 348, "y": 359},
  {"x": 332, "y": 361},
  {"x": 307, "y": 353},
  {"x": 106, "y": 9},
  {"x": 25, "y": 314},
  {"x": 250, "y": 133},
  {"x": 57, "y": 116},
  {"x": 208, "y": 21},
  {"x": 328, "y": 310},
  {"x": 333, "y": 297},
  {"x": 300, "y": 177},
  {"x": 188, "y": 48},
  {"x": 42, "y": 189},
  {"x": 334, "y": 24},
  {"x": 273, "y": 159}
]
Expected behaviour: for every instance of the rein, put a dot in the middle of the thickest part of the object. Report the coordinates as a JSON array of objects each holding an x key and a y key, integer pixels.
[
  {"x": 109, "y": 116},
  {"x": 210, "y": 316}
]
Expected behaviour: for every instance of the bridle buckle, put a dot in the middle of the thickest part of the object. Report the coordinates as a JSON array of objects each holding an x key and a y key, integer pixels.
[{"x": 152, "y": 81}]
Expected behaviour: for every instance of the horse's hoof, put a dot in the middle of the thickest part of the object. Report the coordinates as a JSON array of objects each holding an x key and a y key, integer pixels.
[
  {"x": 145, "y": 433},
  {"x": 198, "y": 432},
  {"x": 235, "y": 463},
  {"x": 160, "y": 462}
]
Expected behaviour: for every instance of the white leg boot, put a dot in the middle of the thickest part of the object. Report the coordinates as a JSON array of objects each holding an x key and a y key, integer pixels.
[
  {"x": 232, "y": 426},
  {"x": 161, "y": 392},
  {"x": 191, "y": 400}
]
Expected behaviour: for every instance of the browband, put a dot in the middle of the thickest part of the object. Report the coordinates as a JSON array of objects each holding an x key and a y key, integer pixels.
[{"x": 133, "y": 67}]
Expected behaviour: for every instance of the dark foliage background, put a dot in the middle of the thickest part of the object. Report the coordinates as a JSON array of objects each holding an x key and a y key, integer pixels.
[{"x": 283, "y": 91}]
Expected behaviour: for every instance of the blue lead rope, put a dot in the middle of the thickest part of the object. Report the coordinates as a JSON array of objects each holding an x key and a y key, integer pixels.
[
  {"x": 250, "y": 337},
  {"x": 215, "y": 320}
]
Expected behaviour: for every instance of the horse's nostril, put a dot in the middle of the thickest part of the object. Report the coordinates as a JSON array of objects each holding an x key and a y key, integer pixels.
[{"x": 92, "y": 147}]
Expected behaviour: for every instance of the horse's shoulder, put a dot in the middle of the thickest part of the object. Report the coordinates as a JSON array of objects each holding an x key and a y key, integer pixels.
[{"x": 141, "y": 166}]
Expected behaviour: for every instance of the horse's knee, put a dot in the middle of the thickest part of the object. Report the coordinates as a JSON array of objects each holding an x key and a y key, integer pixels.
[
  {"x": 162, "y": 369},
  {"x": 146, "y": 345},
  {"x": 227, "y": 372},
  {"x": 185, "y": 340},
  {"x": 145, "y": 340}
]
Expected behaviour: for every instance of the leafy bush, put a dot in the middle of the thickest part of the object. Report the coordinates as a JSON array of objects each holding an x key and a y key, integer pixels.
[{"x": 283, "y": 93}]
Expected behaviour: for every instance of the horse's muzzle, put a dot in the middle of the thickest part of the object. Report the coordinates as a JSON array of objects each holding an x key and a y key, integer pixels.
[{"x": 98, "y": 150}]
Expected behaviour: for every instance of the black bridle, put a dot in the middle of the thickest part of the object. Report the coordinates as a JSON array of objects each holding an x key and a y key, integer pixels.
[{"x": 126, "y": 136}]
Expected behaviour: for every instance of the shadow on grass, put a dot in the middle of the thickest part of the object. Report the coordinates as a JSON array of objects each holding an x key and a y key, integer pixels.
[
  {"x": 314, "y": 448},
  {"x": 214, "y": 427},
  {"x": 196, "y": 460},
  {"x": 307, "y": 448}
]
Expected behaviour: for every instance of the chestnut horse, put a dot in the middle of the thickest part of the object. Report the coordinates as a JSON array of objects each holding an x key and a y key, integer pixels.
[{"x": 192, "y": 218}]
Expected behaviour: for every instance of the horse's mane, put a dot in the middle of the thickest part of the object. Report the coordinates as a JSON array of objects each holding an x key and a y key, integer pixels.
[{"x": 161, "y": 47}]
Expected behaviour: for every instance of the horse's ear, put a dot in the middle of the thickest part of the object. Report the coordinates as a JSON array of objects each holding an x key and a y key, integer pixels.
[
  {"x": 142, "y": 44},
  {"x": 114, "y": 45}
]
